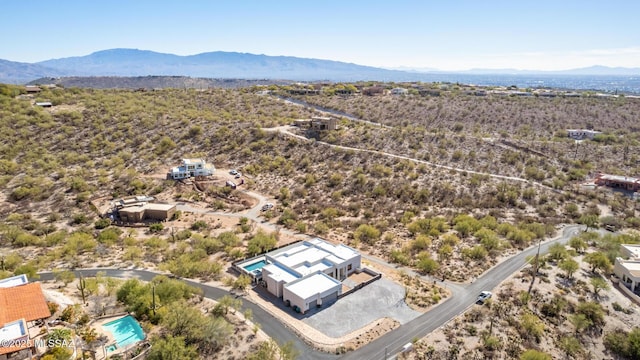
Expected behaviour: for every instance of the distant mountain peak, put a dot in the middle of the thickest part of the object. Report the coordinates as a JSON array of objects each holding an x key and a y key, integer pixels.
[{"x": 127, "y": 62}]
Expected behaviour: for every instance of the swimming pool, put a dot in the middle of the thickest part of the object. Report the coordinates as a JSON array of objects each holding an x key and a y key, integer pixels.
[
  {"x": 255, "y": 266},
  {"x": 125, "y": 330}
]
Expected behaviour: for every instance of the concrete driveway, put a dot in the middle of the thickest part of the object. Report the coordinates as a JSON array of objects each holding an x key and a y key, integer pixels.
[{"x": 382, "y": 298}]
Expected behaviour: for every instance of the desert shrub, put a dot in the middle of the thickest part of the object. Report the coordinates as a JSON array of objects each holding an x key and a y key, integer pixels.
[
  {"x": 102, "y": 223},
  {"x": 156, "y": 227},
  {"x": 78, "y": 219},
  {"x": 531, "y": 326},
  {"x": 421, "y": 242},
  {"x": 535, "y": 355},
  {"x": 367, "y": 233},
  {"x": 79, "y": 243},
  {"x": 109, "y": 236},
  {"x": 199, "y": 225},
  {"x": 426, "y": 264},
  {"x": 261, "y": 242},
  {"x": 477, "y": 252},
  {"x": 399, "y": 257}
]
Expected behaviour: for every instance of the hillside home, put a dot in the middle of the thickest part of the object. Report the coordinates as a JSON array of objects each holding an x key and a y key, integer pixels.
[
  {"x": 31, "y": 89},
  {"x": 578, "y": 134},
  {"x": 135, "y": 209},
  {"x": 618, "y": 182},
  {"x": 627, "y": 269},
  {"x": 191, "y": 168},
  {"x": 45, "y": 104},
  {"x": 305, "y": 274},
  {"x": 22, "y": 304},
  {"x": 303, "y": 91},
  {"x": 324, "y": 123},
  {"x": 374, "y": 90},
  {"x": 399, "y": 91},
  {"x": 147, "y": 211}
]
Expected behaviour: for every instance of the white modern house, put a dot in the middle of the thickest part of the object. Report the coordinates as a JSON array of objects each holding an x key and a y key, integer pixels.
[
  {"x": 581, "y": 134},
  {"x": 627, "y": 269},
  {"x": 306, "y": 274},
  {"x": 399, "y": 91},
  {"x": 191, "y": 168}
]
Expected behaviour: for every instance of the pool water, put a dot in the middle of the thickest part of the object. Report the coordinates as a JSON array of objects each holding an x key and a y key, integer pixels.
[
  {"x": 255, "y": 266},
  {"x": 125, "y": 330}
]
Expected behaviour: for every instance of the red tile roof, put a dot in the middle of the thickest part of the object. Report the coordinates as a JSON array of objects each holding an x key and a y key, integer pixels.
[{"x": 22, "y": 302}]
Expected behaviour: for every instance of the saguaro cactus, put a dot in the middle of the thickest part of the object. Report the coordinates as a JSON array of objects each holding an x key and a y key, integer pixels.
[{"x": 82, "y": 285}]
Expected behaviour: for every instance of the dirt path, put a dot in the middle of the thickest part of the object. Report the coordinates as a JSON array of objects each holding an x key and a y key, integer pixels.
[{"x": 286, "y": 130}]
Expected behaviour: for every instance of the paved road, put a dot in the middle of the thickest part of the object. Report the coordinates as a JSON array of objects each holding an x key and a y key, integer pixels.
[
  {"x": 462, "y": 297},
  {"x": 274, "y": 328}
]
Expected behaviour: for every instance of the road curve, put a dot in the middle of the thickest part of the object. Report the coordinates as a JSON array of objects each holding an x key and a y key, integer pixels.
[
  {"x": 392, "y": 342},
  {"x": 463, "y": 296},
  {"x": 269, "y": 324}
]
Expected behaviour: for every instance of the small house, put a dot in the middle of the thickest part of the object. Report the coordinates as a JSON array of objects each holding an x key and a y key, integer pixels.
[
  {"x": 581, "y": 134},
  {"x": 324, "y": 123},
  {"x": 31, "y": 89},
  {"x": 147, "y": 211},
  {"x": 374, "y": 90},
  {"x": 618, "y": 181},
  {"x": 399, "y": 91}
]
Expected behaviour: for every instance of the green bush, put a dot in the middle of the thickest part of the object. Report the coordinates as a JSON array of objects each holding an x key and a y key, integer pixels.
[
  {"x": 102, "y": 223},
  {"x": 156, "y": 227},
  {"x": 199, "y": 225}
]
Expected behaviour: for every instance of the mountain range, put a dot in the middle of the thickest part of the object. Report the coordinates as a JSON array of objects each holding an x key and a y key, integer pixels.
[{"x": 225, "y": 65}]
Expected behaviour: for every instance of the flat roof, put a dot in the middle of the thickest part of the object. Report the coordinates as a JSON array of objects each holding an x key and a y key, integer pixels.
[
  {"x": 586, "y": 131},
  {"x": 619, "y": 178},
  {"x": 633, "y": 249},
  {"x": 633, "y": 266},
  {"x": 279, "y": 273},
  {"x": 147, "y": 206},
  {"x": 156, "y": 206},
  {"x": 341, "y": 251},
  {"x": 313, "y": 284},
  {"x": 193, "y": 161},
  {"x": 14, "y": 281},
  {"x": 313, "y": 252},
  {"x": 306, "y": 269},
  {"x": 305, "y": 254}
]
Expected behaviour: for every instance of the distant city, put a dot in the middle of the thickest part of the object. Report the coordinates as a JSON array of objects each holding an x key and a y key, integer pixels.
[{"x": 601, "y": 83}]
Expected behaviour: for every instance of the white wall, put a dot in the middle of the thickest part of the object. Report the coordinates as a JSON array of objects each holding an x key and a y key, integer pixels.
[{"x": 303, "y": 304}]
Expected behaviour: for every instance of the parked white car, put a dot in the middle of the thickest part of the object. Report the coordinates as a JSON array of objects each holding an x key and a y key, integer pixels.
[
  {"x": 484, "y": 296},
  {"x": 233, "y": 172},
  {"x": 267, "y": 206}
]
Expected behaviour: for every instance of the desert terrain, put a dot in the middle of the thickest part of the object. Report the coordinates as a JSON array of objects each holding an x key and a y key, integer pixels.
[{"x": 445, "y": 187}]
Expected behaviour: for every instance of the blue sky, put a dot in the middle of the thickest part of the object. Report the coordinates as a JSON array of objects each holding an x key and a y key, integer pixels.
[{"x": 447, "y": 35}]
